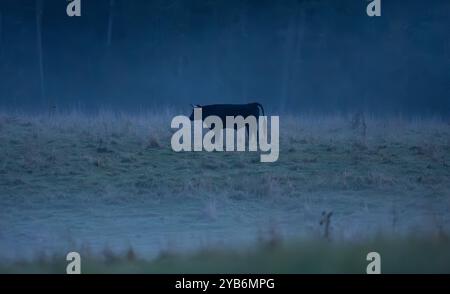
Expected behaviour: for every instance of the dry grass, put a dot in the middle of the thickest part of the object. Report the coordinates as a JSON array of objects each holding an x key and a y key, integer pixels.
[
  {"x": 272, "y": 255},
  {"x": 326, "y": 163},
  {"x": 393, "y": 152}
]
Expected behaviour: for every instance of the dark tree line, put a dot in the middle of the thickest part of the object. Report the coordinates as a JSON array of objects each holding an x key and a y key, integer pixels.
[{"x": 291, "y": 55}]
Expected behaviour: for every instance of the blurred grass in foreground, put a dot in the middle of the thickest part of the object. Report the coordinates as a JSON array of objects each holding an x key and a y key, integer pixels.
[{"x": 406, "y": 255}]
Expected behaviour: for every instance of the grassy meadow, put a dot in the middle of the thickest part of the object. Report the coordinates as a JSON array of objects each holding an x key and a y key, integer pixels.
[{"x": 110, "y": 186}]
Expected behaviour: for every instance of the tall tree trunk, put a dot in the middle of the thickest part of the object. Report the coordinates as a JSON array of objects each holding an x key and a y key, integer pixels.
[
  {"x": 1, "y": 35},
  {"x": 244, "y": 63},
  {"x": 286, "y": 67},
  {"x": 294, "y": 34},
  {"x": 40, "y": 53},
  {"x": 216, "y": 50},
  {"x": 299, "y": 36},
  {"x": 182, "y": 59},
  {"x": 110, "y": 23}
]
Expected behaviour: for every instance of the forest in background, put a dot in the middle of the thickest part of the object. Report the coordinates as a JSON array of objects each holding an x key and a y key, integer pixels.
[{"x": 291, "y": 55}]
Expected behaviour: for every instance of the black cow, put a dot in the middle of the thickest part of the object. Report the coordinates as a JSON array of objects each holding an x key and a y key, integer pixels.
[{"x": 224, "y": 110}]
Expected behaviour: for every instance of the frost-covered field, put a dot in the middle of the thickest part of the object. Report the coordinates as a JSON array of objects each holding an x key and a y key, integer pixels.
[{"x": 110, "y": 182}]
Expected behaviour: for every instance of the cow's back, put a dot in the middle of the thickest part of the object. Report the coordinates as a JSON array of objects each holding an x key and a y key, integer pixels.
[{"x": 224, "y": 110}]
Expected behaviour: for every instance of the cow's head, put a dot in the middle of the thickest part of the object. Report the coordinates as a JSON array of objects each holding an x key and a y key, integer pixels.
[{"x": 192, "y": 113}]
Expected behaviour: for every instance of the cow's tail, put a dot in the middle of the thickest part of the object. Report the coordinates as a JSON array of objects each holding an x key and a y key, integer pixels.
[
  {"x": 263, "y": 114},
  {"x": 260, "y": 106}
]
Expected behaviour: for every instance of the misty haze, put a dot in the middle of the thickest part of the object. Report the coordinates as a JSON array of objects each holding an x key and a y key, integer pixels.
[{"x": 86, "y": 163}]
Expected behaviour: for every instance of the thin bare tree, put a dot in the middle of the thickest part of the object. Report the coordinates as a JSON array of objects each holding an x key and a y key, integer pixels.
[
  {"x": 286, "y": 65},
  {"x": 292, "y": 48},
  {"x": 215, "y": 74},
  {"x": 39, "y": 9},
  {"x": 110, "y": 23},
  {"x": 1, "y": 34},
  {"x": 243, "y": 33}
]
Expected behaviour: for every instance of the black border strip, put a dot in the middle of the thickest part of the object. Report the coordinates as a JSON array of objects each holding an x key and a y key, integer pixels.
[{"x": 281, "y": 282}]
